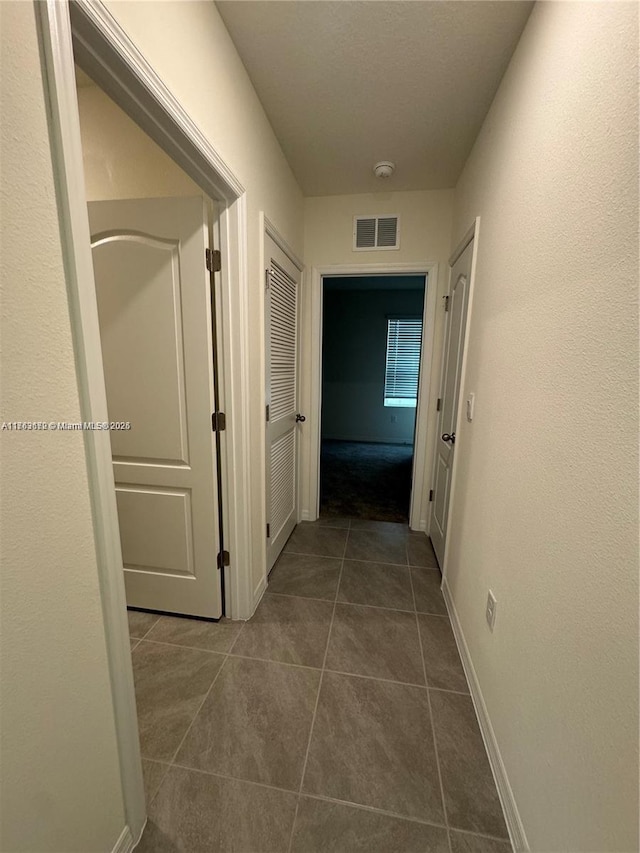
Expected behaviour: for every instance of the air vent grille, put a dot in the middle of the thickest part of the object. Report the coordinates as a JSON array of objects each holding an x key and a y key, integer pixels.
[
  {"x": 365, "y": 233},
  {"x": 375, "y": 232}
]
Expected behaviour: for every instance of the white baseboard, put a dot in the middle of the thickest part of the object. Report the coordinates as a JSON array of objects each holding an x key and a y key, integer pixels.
[
  {"x": 509, "y": 807},
  {"x": 305, "y": 515},
  {"x": 257, "y": 595},
  {"x": 124, "y": 844}
]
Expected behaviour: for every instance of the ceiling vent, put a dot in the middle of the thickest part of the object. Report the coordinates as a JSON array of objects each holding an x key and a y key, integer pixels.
[{"x": 375, "y": 232}]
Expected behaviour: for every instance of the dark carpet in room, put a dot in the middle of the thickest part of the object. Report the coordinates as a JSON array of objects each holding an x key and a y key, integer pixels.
[{"x": 363, "y": 480}]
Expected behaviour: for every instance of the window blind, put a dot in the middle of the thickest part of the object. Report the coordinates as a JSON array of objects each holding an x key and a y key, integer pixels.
[{"x": 404, "y": 339}]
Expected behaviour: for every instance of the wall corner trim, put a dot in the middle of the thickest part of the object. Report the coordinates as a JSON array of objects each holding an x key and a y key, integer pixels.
[
  {"x": 125, "y": 842},
  {"x": 509, "y": 807}
]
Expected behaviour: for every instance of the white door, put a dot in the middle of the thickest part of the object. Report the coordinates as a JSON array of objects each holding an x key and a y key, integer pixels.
[
  {"x": 154, "y": 306},
  {"x": 451, "y": 368},
  {"x": 281, "y": 335}
]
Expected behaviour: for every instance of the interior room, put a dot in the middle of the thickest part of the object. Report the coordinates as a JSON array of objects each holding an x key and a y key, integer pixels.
[
  {"x": 203, "y": 646},
  {"x": 372, "y": 342}
]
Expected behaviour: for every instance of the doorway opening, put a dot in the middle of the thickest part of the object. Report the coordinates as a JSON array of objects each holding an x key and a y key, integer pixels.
[
  {"x": 152, "y": 229},
  {"x": 372, "y": 344}
]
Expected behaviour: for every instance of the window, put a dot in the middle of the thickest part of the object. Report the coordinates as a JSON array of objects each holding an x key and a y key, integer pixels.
[{"x": 404, "y": 337}]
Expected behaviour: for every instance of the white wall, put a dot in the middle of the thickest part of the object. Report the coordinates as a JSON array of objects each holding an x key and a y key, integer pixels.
[
  {"x": 425, "y": 235},
  {"x": 119, "y": 159},
  {"x": 545, "y": 510},
  {"x": 189, "y": 47},
  {"x": 60, "y": 781}
]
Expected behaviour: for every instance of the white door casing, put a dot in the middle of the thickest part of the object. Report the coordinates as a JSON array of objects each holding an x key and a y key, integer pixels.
[
  {"x": 458, "y": 300},
  {"x": 154, "y": 307},
  {"x": 282, "y": 283}
]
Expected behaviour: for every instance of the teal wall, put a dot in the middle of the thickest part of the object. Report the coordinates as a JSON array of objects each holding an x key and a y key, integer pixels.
[{"x": 354, "y": 352}]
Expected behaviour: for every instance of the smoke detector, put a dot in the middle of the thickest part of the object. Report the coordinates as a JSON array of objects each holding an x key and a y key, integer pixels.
[{"x": 384, "y": 169}]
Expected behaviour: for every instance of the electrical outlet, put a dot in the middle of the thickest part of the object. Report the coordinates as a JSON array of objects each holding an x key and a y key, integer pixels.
[
  {"x": 394, "y": 419},
  {"x": 490, "y": 612}
]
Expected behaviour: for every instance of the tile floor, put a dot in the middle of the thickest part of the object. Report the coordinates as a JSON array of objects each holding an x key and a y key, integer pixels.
[{"x": 337, "y": 719}]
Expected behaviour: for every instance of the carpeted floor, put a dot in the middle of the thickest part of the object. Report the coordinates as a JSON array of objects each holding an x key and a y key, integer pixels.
[{"x": 365, "y": 480}]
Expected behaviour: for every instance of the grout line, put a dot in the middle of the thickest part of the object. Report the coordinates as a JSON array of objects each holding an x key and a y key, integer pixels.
[
  {"x": 447, "y": 690},
  {"x": 376, "y": 678},
  {"x": 164, "y": 776},
  {"x": 374, "y": 809},
  {"x": 151, "y": 627},
  {"x": 277, "y": 662},
  {"x": 237, "y": 637},
  {"x": 322, "y": 798},
  {"x": 353, "y": 559},
  {"x": 349, "y": 603},
  {"x": 296, "y": 595},
  {"x": 315, "y": 709},
  {"x": 433, "y": 728},
  {"x": 284, "y": 553},
  {"x": 235, "y": 778},
  {"x": 504, "y": 840},
  {"x": 182, "y": 646},
  {"x": 193, "y": 719}
]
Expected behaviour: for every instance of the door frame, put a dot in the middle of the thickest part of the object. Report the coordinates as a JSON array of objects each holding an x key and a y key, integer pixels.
[
  {"x": 419, "y": 507},
  {"x": 473, "y": 233},
  {"x": 105, "y": 51}
]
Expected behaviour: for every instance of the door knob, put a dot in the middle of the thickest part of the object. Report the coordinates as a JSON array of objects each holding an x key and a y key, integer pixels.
[
  {"x": 447, "y": 437},
  {"x": 300, "y": 418}
]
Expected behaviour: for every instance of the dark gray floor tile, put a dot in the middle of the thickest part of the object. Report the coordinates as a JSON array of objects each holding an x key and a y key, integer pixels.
[
  {"x": 311, "y": 577},
  {"x": 441, "y": 658},
  {"x": 372, "y": 744},
  {"x": 390, "y": 527},
  {"x": 140, "y": 622},
  {"x": 332, "y": 521},
  {"x": 377, "y": 584},
  {"x": 377, "y": 547},
  {"x": 196, "y": 633},
  {"x": 470, "y": 793},
  {"x": 133, "y": 642},
  {"x": 426, "y": 586},
  {"x": 255, "y": 723},
  {"x": 463, "y": 843},
  {"x": 153, "y": 772},
  {"x": 323, "y": 827},
  {"x": 194, "y": 812},
  {"x": 421, "y": 552},
  {"x": 375, "y": 642},
  {"x": 286, "y": 629},
  {"x": 170, "y": 683},
  {"x": 319, "y": 541}
]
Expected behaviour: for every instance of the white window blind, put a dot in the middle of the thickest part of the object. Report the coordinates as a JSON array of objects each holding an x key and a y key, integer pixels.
[{"x": 404, "y": 338}]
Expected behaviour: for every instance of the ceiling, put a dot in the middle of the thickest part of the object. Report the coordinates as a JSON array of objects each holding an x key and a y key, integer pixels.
[{"x": 346, "y": 83}]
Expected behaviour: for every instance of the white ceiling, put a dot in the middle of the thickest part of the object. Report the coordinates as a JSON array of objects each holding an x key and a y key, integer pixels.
[{"x": 346, "y": 83}]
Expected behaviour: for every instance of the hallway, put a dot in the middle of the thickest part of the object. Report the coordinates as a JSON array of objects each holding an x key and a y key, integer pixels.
[{"x": 337, "y": 719}]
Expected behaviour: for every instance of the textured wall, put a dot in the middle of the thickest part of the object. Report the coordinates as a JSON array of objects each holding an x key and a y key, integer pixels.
[
  {"x": 120, "y": 160},
  {"x": 189, "y": 47},
  {"x": 60, "y": 781},
  {"x": 425, "y": 235},
  {"x": 546, "y": 510}
]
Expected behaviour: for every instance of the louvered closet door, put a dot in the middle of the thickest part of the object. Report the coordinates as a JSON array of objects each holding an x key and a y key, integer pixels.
[{"x": 283, "y": 280}]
